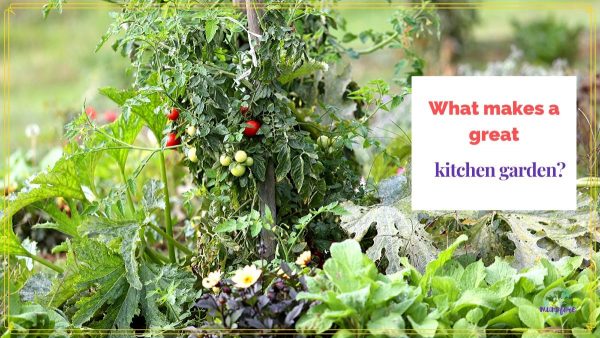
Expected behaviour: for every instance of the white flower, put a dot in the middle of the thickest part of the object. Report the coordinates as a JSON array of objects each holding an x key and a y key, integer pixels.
[
  {"x": 212, "y": 279},
  {"x": 304, "y": 258},
  {"x": 32, "y": 130},
  {"x": 246, "y": 277}
]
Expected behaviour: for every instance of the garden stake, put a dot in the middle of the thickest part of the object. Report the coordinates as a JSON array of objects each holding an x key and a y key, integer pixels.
[{"x": 266, "y": 189}]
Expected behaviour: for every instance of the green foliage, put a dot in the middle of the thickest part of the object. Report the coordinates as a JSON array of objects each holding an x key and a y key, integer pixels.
[
  {"x": 290, "y": 239},
  {"x": 547, "y": 39},
  {"x": 396, "y": 155},
  {"x": 112, "y": 272},
  {"x": 350, "y": 294},
  {"x": 36, "y": 317},
  {"x": 207, "y": 64}
]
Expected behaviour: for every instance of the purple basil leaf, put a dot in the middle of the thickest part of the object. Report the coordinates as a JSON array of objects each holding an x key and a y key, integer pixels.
[{"x": 292, "y": 315}]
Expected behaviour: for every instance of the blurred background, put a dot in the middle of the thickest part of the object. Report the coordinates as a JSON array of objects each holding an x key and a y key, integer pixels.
[{"x": 54, "y": 69}]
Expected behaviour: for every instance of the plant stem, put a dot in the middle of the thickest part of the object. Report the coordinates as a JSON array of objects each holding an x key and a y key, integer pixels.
[
  {"x": 588, "y": 182},
  {"x": 45, "y": 262},
  {"x": 171, "y": 240},
  {"x": 154, "y": 256},
  {"x": 129, "y": 197},
  {"x": 168, "y": 224},
  {"x": 379, "y": 45}
]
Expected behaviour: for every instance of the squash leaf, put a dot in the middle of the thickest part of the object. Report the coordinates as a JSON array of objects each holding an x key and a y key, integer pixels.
[{"x": 397, "y": 235}]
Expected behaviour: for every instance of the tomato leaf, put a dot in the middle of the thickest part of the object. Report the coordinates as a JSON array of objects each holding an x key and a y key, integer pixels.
[
  {"x": 283, "y": 164},
  {"x": 298, "y": 172},
  {"x": 210, "y": 28}
]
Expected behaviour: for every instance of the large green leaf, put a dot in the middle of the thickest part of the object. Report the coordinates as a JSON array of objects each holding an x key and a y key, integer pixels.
[
  {"x": 67, "y": 224},
  {"x": 500, "y": 269},
  {"x": 63, "y": 180},
  {"x": 425, "y": 328},
  {"x": 128, "y": 233},
  {"x": 120, "y": 317},
  {"x": 397, "y": 235},
  {"x": 146, "y": 104},
  {"x": 11, "y": 243},
  {"x": 509, "y": 318},
  {"x": 98, "y": 267},
  {"x": 473, "y": 276},
  {"x": 488, "y": 297},
  {"x": 391, "y": 325},
  {"x": 349, "y": 269},
  {"x": 356, "y": 299},
  {"x": 437, "y": 263},
  {"x": 97, "y": 282},
  {"x": 169, "y": 287},
  {"x": 149, "y": 304},
  {"x": 313, "y": 321},
  {"x": 125, "y": 130},
  {"x": 531, "y": 317}
]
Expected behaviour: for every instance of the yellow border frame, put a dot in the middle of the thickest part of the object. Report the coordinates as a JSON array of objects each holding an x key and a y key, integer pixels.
[{"x": 500, "y": 5}]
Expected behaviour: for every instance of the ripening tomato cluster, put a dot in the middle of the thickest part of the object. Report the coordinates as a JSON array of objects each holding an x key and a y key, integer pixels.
[
  {"x": 242, "y": 160},
  {"x": 237, "y": 168},
  {"x": 172, "y": 139},
  {"x": 109, "y": 116}
]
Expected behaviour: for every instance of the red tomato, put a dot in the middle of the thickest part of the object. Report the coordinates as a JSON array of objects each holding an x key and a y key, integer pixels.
[
  {"x": 244, "y": 110},
  {"x": 172, "y": 140},
  {"x": 110, "y": 116},
  {"x": 252, "y": 127},
  {"x": 91, "y": 112},
  {"x": 174, "y": 114}
]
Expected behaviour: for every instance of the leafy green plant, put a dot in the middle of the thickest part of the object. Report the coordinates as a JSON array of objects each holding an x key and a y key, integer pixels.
[
  {"x": 393, "y": 160},
  {"x": 547, "y": 39},
  {"x": 451, "y": 298},
  {"x": 113, "y": 269},
  {"x": 351, "y": 294},
  {"x": 258, "y": 82},
  {"x": 290, "y": 239}
]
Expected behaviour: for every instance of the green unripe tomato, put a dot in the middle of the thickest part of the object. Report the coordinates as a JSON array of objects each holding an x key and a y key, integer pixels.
[
  {"x": 323, "y": 141},
  {"x": 240, "y": 156},
  {"x": 237, "y": 170},
  {"x": 191, "y": 130},
  {"x": 192, "y": 156},
  {"x": 336, "y": 141},
  {"x": 225, "y": 160},
  {"x": 249, "y": 161}
]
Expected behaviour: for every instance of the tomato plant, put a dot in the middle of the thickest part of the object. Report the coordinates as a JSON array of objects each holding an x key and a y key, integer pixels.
[{"x": 255, "y": 80}]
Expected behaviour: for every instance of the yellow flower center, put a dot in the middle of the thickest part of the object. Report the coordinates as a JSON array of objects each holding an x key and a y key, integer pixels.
[{"x": 247, "y": 279}]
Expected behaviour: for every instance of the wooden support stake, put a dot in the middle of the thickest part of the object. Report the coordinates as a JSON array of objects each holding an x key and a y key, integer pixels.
[{"x": 266, "y": 189}]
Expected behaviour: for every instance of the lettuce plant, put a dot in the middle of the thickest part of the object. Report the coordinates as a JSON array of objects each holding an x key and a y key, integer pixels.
[
  {"x": 451, "y": 297},
  {"x": 350, "y": 294}
]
